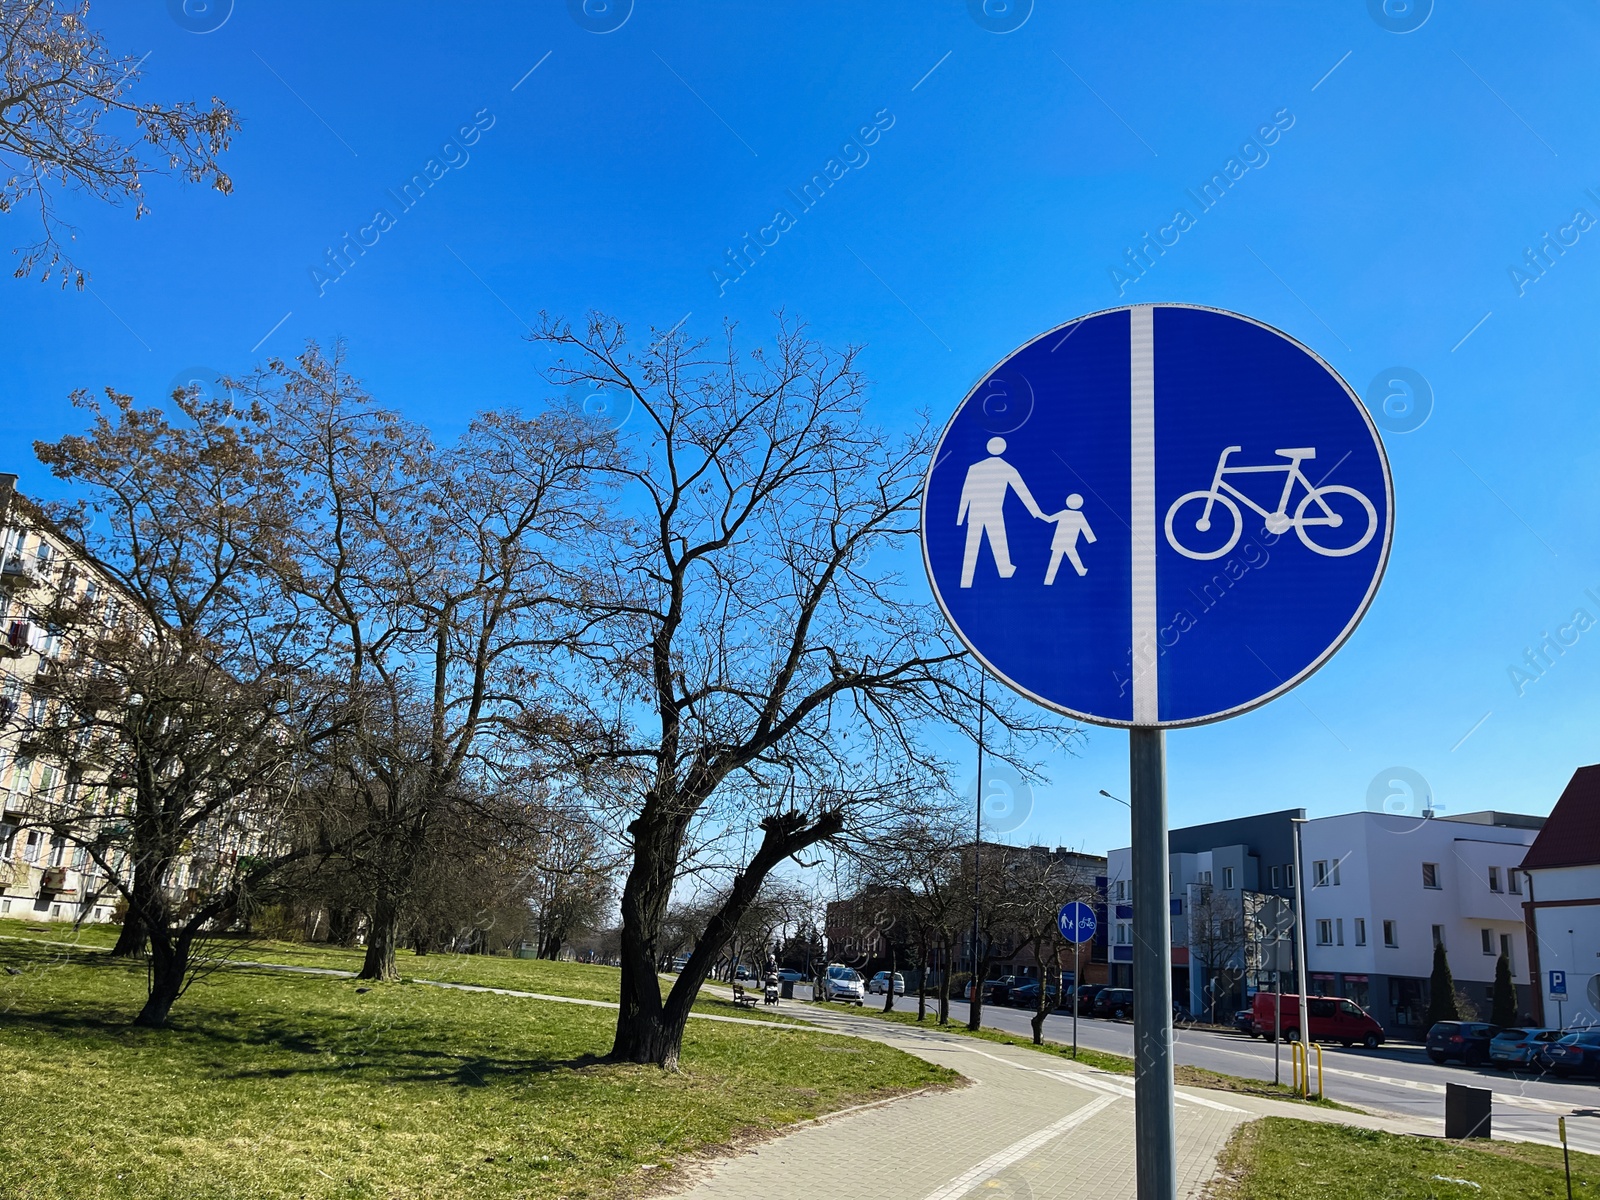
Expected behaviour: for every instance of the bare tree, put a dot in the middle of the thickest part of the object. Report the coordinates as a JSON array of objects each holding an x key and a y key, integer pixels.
[
  {"x": 1217, "y": 934},
  {"x": 1041, "y": 883},
  {"x": 170, "y": 699},
  {"x": 435, "y": 583},
  {"x": 63, "y": 96},
  {"x": 753, "y": 608}
]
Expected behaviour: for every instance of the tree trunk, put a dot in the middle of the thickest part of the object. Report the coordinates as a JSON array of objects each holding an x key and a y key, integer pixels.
[
  {"x": 889, "y": 1004},
  {"x": 922, "y": 981},
  {"x": 944, "y": 985},
  {"x": 131, "y": 939},
  {"x": 382, "y": 933},
  {"x": 169, "y": 964},
  {"x": 980, "y": 972},
  {"x": 342, "y": 923},
  {"x": 135, "y": 925}
]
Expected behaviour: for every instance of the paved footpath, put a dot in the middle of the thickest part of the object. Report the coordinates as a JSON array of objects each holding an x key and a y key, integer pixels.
[{"x": 1027, "y": 1127}]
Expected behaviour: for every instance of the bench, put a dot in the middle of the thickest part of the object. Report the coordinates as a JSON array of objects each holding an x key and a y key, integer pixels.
[{"x": 743, "y": 998}]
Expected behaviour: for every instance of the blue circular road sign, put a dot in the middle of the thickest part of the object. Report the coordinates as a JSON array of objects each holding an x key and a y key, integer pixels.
[
  {"x": 1160, "y": 515},
  {"x": 1076, "y": 922}
]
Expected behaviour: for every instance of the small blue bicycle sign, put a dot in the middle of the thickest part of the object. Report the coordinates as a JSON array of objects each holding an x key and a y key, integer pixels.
[{"x": 1076, "y": 922}]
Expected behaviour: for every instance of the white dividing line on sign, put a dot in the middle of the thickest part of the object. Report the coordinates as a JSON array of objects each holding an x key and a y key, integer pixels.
[
  {"x": 995, "y": 1163},
  {"x": 1142, "y": 514}
]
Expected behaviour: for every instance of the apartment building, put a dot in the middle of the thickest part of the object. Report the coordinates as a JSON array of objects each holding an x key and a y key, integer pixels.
[
  {"x": 43, "y": 876},
  {"x": 1228, "y": 871},
  {"x": 1383, "y": 890}
]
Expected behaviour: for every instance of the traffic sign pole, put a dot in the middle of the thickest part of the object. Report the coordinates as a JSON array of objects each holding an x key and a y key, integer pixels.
[
  {"x": 1153, "y": 1091},
  {"x": 1166, "y": 590},
  {"x": 1077, "y": 991}
]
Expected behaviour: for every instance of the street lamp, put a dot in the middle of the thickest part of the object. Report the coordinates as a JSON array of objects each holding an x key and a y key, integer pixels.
[{"x": 1118, "y": 799}]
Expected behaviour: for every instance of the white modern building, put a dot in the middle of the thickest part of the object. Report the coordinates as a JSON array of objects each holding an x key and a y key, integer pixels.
[
  {"x": 1381, "y": 890},
  {"x": 1562, "y": 906},
  {"x": 1384, "y": 889}
]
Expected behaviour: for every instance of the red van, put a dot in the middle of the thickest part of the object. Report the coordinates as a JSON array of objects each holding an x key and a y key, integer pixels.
[{"x": 1332, "y": 1020}]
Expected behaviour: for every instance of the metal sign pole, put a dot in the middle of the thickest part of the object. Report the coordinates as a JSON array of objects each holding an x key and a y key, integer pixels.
[
  {"x": 1077, "y": 991},
  {"x": 1156, "y": 1136}
]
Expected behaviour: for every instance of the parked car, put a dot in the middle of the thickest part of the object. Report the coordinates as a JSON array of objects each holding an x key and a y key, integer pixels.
[
  {"x": 1245, "y": 1021},
  {"x": 1026, "y": 995},
  {"x": 1573, "y": 1054},
  {"x": 879, "y": 984},
  {"x": 995, "y": 991},
  {"x": 840, "y": 982},
  {"x": 1517, "y": 1047},
  {"x": 743, "y": 972},
  {"x": 1086, "y": 997},
  {"x": 1467, "y": 1041},
  {"x": 1115, "y": 1003},
  {"x": 790, "y": 975},
  {"x": 1333, "y": 1019}
]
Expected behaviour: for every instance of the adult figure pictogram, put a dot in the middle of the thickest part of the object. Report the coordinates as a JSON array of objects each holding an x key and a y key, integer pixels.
[{"x": 982, "y": 510}]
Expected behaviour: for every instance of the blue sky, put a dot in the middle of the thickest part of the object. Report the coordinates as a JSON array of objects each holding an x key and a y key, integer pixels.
[{"x": 1010, "y": 174}]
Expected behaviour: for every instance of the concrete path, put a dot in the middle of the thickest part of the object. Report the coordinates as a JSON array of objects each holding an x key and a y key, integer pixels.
[{"x": 1027, "y": 1127}]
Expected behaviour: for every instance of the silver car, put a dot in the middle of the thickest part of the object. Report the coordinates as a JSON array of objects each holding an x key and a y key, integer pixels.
[{"x": 843, "y": 983}]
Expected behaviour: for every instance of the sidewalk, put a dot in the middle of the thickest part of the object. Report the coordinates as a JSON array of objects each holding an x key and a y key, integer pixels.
[{"x": 1027, "y": 1128}]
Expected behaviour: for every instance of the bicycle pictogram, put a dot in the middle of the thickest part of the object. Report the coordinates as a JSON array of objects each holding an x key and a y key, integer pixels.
[{"x": 1324, "y": 507}]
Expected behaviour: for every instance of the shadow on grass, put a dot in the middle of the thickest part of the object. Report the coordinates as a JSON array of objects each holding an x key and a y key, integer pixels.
[
  {"x": 300, "y": 1053},
  {"x": 227, "y": 1040}
]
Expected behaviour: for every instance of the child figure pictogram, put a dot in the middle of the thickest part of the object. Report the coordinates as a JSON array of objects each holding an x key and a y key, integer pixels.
[{"x": 1069, "y": 523}]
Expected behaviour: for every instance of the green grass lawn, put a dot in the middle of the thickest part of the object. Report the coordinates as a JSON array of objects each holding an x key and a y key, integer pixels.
[
  {"x": 278, "y": 1085},
  {"x": 1281, "y": 1159},
  {"x": 581, "y": 980},
  {"x": 1118, "y": 1063}
]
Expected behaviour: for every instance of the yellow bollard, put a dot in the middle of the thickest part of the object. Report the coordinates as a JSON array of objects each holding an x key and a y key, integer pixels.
[
  {"x": 1319, "y": 1073},
  {"x": 1297, "y": 1065}
]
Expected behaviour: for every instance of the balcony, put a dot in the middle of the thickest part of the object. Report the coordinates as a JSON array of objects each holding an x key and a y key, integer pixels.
[{"x": 55, "y": 883}]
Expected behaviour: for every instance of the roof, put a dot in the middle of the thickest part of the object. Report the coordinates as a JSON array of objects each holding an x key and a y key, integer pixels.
[{"x": 1571, "y": 837}]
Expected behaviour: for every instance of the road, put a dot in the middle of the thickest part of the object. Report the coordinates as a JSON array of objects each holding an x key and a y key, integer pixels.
[{"x": 1394, "y": 1078}]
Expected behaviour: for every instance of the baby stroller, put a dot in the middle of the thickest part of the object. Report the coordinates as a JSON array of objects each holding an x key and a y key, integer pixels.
[{"x": 770, "y": 994}]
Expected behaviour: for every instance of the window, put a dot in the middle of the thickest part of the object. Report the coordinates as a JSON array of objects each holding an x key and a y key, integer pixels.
[
  {"x": 5, "y": 906},
  {"x": 1391, "y": 936},
  {"x": 1361, "y": 931},
  {"x": 30, "y": 851},
  {"x": 1430, "y": 875},
  {"x": 1227, "y": 878},
  {"x": 1288, "y": 875},
  {"x": 1505, "y": 948},
  {"x": 44, "y": 556},
  {"x": 1324, "y": 933},
  {"x": 1513, "y": 881},
  {"x": 1204, "y": 877},
  {"x": 1494, "y": 879},
  {"x": 1488, "y": 942},
  {"x": 1124, "y": 933},
  {"x": 1438, "y": 935},
  {"x": 1338, "y": 931},
  {"x": 1277, "y": 877},
  {"x": 8, "y": 839},
  {"x": 80, "y": 858},
  {"x": 1319, "y": 874},
  {"x": 1122, "y": 890},
  {"x": 58, "y": 850},
  {"x": 1333, "y": 873}
]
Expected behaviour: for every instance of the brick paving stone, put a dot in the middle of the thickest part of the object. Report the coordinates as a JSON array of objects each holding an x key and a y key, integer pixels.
[{"x": 920, "y": 1148}]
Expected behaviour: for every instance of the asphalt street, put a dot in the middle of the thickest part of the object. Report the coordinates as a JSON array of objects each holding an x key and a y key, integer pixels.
[{"x": 1395, "y": 1078}]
